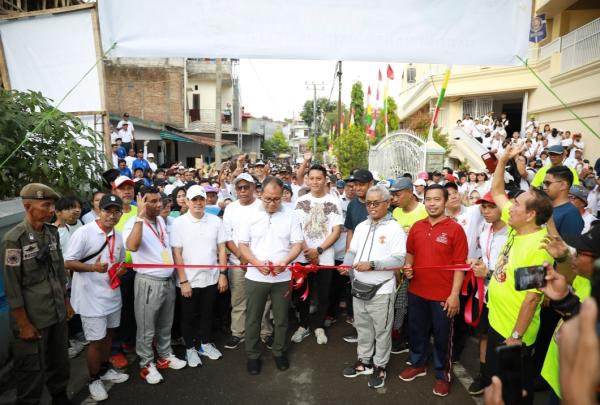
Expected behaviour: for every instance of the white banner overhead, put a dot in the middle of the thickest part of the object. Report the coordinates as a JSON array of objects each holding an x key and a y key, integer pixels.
[{"x": 480, "y": 32}]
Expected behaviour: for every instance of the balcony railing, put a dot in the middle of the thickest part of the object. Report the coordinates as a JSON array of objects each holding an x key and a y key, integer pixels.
[
  {"x": 580, "y": 46},
  {"x": 553, "y": 47}
]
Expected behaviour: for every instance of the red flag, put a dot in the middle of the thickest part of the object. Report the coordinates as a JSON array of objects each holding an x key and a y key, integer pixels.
[
  {"x": 369, "y": 91},
  {"x": 377, "y": 97},
  {"x": 390, "y": 73},
  {"x": 379, "y": 76}
]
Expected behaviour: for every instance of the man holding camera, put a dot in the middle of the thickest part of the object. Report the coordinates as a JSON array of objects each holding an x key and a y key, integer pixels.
[{"x": 514, "y": 316}]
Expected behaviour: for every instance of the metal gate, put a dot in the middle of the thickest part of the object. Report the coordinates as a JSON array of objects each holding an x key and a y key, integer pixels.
[{"x": 398, "y": 153}]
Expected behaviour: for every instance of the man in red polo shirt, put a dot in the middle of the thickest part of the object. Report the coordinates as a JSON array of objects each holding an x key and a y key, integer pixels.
[{"x": 433, "y": 294}]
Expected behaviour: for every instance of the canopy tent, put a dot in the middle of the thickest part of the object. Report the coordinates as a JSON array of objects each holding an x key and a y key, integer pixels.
[{"x": 481, "y": 32}]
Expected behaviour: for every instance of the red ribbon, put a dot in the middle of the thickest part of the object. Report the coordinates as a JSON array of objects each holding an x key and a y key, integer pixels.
[
  {"x": 479, "y": 289},
  {"x": 113, "y": 276},
  {"x": 299, "y": 275}
]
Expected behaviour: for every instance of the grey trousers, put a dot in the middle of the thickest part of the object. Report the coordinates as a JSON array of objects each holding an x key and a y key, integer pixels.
[
  {"x": 257, "y": 294},
  {"x": 373, "y": 321},
  {"x": 237, "y": 286},
  {"x": 154, "y": 306}
]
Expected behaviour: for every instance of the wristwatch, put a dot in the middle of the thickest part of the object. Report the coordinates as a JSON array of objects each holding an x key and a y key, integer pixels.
[
  {"x": 372, "y": 265},
  {"x": 320, "y": 250},
  {"x": 515, "y": 335}
]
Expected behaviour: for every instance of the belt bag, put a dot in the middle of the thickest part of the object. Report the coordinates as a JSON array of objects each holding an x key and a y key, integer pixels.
[{"x": 364, "y": 291}]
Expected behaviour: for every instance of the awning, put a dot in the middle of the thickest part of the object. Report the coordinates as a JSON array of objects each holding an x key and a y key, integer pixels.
[
  {"x": 174, "y": 137},
  {"x": 199, "y": 139}
]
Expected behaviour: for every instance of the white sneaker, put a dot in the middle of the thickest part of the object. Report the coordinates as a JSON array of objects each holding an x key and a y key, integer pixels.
[
  {"x": 114, "y": 376},
  {"x": 75, "y": 347},
  {"x": 193, "y": 360},
  {"x": 321, "y": 336},
  {"x": 171, "y": 361},
  {"x": 300, "y": 334},
  {"x": 151, "y": 374},
  {"x": 209, "y": 350},
  {"x": 97, "y": 391}
]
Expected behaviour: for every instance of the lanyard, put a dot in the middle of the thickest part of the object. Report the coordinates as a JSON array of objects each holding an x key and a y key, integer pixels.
[
  {"x": 110, "y": 242},
  {"x": 160, "y": 235},
  {"x": 488, "y": 250}
]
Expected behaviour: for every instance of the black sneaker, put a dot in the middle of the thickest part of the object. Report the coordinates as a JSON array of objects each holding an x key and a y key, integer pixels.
[
  {"x": 377, "y": 379},
  {"x": 268, "y": 341},
  {"x": 351, "y": 338},
  {"x": 399, "y": 347},
  {"x": 477, "y": 387},
  {"x": 282, "y": 362},
  {"x": 359, "y": 368},
  {"x": 253, "y": 366},
  {"x": 233, "y": 342}
]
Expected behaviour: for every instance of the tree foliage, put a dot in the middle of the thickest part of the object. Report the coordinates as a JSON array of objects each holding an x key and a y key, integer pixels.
[
  {"x": 351, "y": 149},
  {"x": 393, "y": 121},
  {"x": 324, "y": 106},
  {"x": 357, "y": 104},
  {"x": 63, "y": 153},
  {"x": 420, "y": 122},
  {"x": 276, "y": 145}
]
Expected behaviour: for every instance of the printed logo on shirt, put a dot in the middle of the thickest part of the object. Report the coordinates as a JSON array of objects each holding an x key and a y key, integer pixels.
[
  {"x": 30, "y": 251},
  {"x": 442, "y": 238},
  {"x": 382, "y": 239},
  {"x": 12, "y": 257}
]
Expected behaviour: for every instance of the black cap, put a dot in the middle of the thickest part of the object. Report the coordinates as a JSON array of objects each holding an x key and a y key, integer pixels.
[
  {"x": 110, "y": 200},
  {"x": 589, "y": 241},
  {"x": 362, "y": 176}
]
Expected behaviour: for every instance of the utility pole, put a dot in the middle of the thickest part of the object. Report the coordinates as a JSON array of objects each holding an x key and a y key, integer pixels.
[
  {"x": 339, "y": 106},
  {"x": 218, "y": 122},
  {"x": 315, "y": 128}
]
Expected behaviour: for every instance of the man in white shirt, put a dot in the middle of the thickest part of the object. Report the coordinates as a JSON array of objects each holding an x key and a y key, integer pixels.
[
  {"x": 236, "y": 213},
  {"x": 269, "y": 240},
  {"x": 93, "y": 249},
  {"x": 130, "y": 158},
  {"x": 199, "y": 238},
  {"x": 127, "y": 126},
  {"x": 146, "y": 238},
  {"x": 578, "y": 196},
  {"x": 376, "y": 253},
  {"x": 321, "y": 219},
  {"x": 151, "y": 162},
  {"x": 126, "y": 136}
]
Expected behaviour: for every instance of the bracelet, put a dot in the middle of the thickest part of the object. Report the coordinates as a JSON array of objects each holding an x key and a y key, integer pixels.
[
  {"x": 138, "y": 219},
  {"x": 183, "y": 282}
]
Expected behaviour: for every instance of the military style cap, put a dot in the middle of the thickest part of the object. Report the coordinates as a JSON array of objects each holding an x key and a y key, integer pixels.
[{"x": 38, "y": 191}]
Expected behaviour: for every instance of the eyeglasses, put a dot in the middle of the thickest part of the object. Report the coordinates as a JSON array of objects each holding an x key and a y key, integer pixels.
[
  {"x": 374, "y": 204},
  {"x": 113, "y": 213},
  {"x": 272, "y": 200},
  {"x": 547, "y": 183},
  {"x": 242, "y": 188}
]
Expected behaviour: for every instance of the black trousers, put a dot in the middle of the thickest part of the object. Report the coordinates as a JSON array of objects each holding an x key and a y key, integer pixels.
[
  {"x": 197, "y": 315},
  {"x": 322, "y": 281},
  {"x": 491, "y": 364},
  {"x": 337, "y": 291},
  {"x": 126, "y": 332}
]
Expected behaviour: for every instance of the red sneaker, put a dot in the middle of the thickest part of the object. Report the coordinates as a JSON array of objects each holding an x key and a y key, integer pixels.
[
  {"x": 119, "y": 360},
  {"x": 410, "y": 373},
  {"x": 128, "y": 348},
  {"x": 441, "y": 388}
]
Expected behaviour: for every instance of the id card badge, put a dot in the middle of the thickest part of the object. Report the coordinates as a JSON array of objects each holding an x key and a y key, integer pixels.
[{"x": 166, "y": 257}]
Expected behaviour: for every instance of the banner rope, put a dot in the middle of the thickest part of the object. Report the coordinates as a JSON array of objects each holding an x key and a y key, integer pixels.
[{"x": 48, "y": 113}]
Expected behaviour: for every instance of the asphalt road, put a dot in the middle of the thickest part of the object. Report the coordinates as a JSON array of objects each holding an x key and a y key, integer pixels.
[{"x": 314, "y": 377}]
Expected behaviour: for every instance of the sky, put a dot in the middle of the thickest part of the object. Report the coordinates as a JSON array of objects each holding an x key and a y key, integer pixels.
[{"x": 278, "y": 89}]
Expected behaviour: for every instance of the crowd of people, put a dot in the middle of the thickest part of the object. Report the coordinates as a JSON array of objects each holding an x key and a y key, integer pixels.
[{"x": 405, "y": 261}]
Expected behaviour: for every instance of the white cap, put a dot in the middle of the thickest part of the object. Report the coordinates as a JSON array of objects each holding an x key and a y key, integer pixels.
[
  {"x": 195, "y": 191},
  {"x": 150, "y": 155},
  {"x": 119, "y": 181},
  {"x": 420, "y": 182},
  {"x": 244, "y": 176}
]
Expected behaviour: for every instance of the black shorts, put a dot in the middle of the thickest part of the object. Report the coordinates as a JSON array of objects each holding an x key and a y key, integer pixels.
[{"x": 484, "y": 323}]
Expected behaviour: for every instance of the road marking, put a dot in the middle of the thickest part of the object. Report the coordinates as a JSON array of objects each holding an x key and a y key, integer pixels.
[{"x": 466, "y": 380}]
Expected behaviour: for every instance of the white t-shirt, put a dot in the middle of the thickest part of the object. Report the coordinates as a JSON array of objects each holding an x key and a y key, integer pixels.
[
  {"x": 554, "y": 140},
  {"x": 339, "y": 246},
  {"x": 470, "y": 219},
  {"x": 318, "y": 216},
  {"x": 587, "y": 221},
  {"x": 125, "y": 135},
  {"x": 270, "y": 238},
  {"x": 129, "y": 160},
  {"x": 91, "y": 294},
  {"x": 388, "y": 239},
  {"x": 89, "y": 217},
  {"x": 234, "y": 215},
  {"x": 199, "y": 239},
  {"x": 154, "y": 248},
  {"x": 130, "y": 129}
]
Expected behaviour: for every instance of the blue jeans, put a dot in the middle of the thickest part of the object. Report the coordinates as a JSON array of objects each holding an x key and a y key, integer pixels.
[{"x": 425, "y": 316}]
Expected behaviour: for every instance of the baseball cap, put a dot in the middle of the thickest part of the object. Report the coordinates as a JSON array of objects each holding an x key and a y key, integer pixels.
[
  {"x": 363, "y": 176},
  {"x": 487, "y": 198},
  {"x": 423, "y": 175},
  {"x": 125, "y": 123},
  {"x": 121, "y": 180},
  {"x": 579, "y": 192},
  {"x": 340, "y": 184},
  {"x": 211, "y": 189},
  {"x": 556, "y": 149},
  {"x": 350, "y": 179},
  {"x": 420, "y": 182},
  {"x": 285, "y": 169},
  {"x": 259, "y": 163},
  {"x": 402, "y": 183},
  {"x": 244, "y": 176},
  {"x": 195, "y": 191},
  {"x": 589, "y": 241},
  {"x": 110, "y": 200},
  {"x": 451, "y": 178},
  {"x": 150, "y": 155}
]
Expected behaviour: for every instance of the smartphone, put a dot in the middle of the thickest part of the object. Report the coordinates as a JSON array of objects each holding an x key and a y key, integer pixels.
[
  {"x": 510, "y": 372},
  {"x": 530, "y": 277},
  {"x": 490, "y": 160}
]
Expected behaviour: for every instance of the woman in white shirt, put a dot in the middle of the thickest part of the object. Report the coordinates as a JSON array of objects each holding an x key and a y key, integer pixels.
[{"x": 95, "y": 211}]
